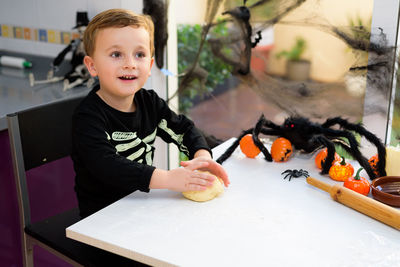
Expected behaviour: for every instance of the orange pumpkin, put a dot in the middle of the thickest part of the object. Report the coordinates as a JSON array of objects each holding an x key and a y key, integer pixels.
[
  {"x": 281, "y": 149},
  {"x": 321, "y": 157},
  {"x": 358, "y": 184},
  {"x": 373, "y": 161},
  {"x": 248, "y": 147},
  {"x": 341, "y": 171}
]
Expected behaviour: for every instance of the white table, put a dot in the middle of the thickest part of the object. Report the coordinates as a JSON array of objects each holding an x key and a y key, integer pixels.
[{"x": 261, "y": 220}]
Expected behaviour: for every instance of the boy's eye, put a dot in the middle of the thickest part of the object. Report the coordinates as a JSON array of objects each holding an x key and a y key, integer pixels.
[
  {"x": 140, "y": 55},
  {"x": 115, "y": 54}
]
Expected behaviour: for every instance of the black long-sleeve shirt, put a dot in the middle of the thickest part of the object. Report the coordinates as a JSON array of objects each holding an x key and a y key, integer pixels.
[{"x": 113, "y": 151}]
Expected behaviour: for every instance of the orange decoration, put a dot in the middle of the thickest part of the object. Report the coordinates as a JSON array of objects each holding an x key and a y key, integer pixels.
[
  {"x": 281, "y": 149},
  {"x": 321, "y": 157},
  {"x": 373, "y": 161},
  {"x": 358, "y": 184},
  {"x": 248, "y": 147},
  {"x": 341, "y": 171}
]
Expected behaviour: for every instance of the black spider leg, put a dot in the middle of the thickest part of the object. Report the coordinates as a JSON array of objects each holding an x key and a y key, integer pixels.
[
  {"x": 270, "y": 124},
  {"x": 257, "y": 39},
  {"x": 232, "y": 148},
  {"x": 350, "y": 151},
  {"x": 331, "y": 152},
  {"x": 304, "y": 173},
  {"x": 289, "y": 173},
  {"x": 355, "y": 152},
  {"x": 257, "y": 141},
  {"x": 358, "y": 128}
]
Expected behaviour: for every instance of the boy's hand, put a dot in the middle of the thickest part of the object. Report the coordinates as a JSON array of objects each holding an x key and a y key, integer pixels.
[
  {"x": 188, "y": 179},
  {"x": 183, "y": 179},
  {"x": 207, "y": 164}
]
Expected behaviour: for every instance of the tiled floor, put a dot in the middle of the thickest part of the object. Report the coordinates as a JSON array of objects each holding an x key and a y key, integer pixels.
[{"x": 227, "y": 114}]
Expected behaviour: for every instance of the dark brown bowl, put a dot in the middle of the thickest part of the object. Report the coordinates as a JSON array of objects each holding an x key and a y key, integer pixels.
[{"x": 386, "y": 189}]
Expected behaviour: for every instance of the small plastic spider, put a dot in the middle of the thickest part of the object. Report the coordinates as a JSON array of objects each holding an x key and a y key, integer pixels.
[{"x": 295, "y": 173}]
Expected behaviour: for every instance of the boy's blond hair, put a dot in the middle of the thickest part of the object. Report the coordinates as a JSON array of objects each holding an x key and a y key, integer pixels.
[{"x": 116, "y": 18}]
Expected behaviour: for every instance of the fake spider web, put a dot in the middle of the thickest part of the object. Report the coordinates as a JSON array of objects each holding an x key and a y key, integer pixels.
[{"x": 235, "y": 50}]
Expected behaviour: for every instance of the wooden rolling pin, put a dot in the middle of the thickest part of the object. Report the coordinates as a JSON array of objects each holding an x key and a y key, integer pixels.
[{"x": 359, "y": 202}]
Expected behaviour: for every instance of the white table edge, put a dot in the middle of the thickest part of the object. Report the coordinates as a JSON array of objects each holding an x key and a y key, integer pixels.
[{"x": 117, "y": 250}]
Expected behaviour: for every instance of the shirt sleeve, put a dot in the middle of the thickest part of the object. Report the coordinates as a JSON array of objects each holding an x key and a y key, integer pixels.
[
  {"x": 99, "y": 157},
  {"x": 178, "y": 129}
]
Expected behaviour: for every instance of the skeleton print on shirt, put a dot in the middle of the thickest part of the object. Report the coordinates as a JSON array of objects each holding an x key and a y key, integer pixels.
[
  {"x": 128, "y": 144},
  {"x": 178, "y": 138}
]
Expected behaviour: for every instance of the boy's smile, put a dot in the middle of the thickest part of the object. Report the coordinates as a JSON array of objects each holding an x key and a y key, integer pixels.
[
  {"x": 122, "y": 60},
  {"x": 128, "y": 77}
]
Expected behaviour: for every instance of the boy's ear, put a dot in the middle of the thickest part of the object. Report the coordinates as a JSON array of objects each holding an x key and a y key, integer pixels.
[
  {"x": 151, "y": 65},
  {"x": 89, "y": 63}
]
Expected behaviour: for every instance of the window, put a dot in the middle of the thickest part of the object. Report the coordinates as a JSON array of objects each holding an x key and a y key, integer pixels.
[{"x": 340, "y": 52}]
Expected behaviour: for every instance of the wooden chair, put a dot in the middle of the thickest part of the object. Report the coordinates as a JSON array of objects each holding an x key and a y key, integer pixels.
[{"x": 39, "y": 136}]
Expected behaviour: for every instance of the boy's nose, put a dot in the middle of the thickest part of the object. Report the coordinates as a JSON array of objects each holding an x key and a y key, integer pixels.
[{"x": 130, "y": 62}]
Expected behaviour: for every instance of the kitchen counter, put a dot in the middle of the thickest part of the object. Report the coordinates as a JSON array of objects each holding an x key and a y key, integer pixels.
[{"x": 16, "y": 94}]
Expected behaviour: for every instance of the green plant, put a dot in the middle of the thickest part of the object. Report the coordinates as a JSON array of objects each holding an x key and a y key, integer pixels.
[
  {"x": 342, "y": 152},
  {"x": 360, "y": 31},
  {"x": 189, "y": 37},
  {"x": 296, "y": 52},
  {"x": 360, "y": 28}
]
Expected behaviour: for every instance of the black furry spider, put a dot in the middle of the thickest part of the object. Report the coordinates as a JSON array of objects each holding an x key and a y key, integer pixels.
[
  {"x": 295, "y": 173},
  {"x": 308, "y": 137}
]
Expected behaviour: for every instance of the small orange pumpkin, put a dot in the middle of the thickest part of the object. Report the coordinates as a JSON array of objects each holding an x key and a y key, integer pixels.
[
  {"x": 341, "y": 171},
  {"x": 358, "y": 184},
  {"x": 281, "y": 149},
  {"x": 321, "y": 157},
  {"x": 373, "y": 161},
  {"x": 248, "y": 147}
]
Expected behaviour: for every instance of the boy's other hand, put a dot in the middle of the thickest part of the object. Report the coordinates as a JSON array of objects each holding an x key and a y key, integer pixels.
[
  {"x": 187, "y": 179},
  {"x": 207, "y": 164}
]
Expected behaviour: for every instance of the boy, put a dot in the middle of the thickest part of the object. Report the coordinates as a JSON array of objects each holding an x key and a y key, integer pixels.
[{"x": 115, "y": 126}]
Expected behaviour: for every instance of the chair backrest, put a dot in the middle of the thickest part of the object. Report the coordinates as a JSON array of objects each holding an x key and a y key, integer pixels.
[{"x": 38, "y": 136}]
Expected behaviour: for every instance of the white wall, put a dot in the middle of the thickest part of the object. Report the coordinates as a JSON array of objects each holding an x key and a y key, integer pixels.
[
  {"x": 190, "y": 12},
  {"x": 51, "y": 14}
]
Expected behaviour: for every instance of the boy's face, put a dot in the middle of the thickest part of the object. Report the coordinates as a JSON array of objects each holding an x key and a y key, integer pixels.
[{"x": 121, "y": 60}]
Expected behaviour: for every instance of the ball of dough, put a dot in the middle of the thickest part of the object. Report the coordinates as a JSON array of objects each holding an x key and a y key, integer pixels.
[{"x": 211, "y": 192}]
